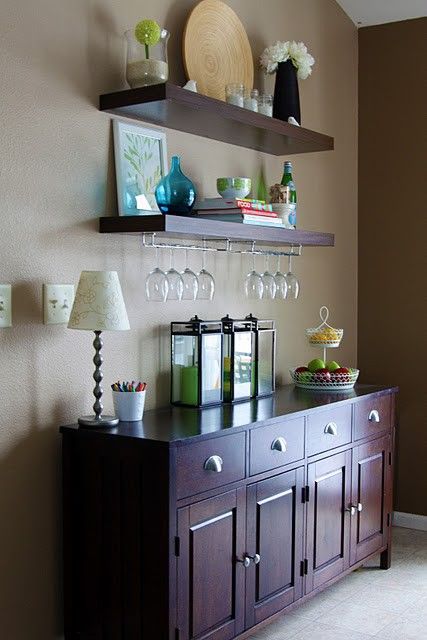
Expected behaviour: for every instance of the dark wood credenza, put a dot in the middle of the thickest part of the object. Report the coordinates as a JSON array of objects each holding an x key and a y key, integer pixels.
[{"x": 202, "y": 524}]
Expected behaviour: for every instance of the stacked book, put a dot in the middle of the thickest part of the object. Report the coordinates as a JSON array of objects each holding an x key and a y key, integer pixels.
[{"x": 239, "y": 210}]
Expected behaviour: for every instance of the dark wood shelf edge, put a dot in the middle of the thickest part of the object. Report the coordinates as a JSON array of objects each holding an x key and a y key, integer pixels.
[
  {"x": 197, "y": 228},
  {"x": 169, "y": 105}
]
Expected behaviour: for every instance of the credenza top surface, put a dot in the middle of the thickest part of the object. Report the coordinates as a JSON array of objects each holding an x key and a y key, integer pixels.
[{"x": 176, "y": 424}]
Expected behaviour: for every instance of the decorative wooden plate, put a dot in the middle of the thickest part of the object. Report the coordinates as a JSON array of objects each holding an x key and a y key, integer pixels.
[{"x": 216, "y": 49}]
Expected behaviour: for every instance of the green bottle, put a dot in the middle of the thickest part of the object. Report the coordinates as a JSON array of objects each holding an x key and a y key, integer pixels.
[{"x": 290, "y": 217}]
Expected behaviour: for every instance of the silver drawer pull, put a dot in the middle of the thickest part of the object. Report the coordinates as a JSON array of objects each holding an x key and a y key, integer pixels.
[
  {"x": 214, "y": 463},
  {"x": 331, "y": 428},
  {"x": 279, "y": 444},
  {"x": 374, "y": 416}
]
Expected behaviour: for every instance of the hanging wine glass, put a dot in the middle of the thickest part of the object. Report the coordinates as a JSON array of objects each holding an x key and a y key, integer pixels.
[
  {"x": 190, "y": 282},
  {"x": 205, "y": 279},
  {"x": 253, "y": 284},
  {"x": 292, "y": 282},
  {"x": 281, "y": 284},
  {"x": 269, "y": 282},
  {"x": 156, "y": 284},
  {"x": 176, "y": 285}
]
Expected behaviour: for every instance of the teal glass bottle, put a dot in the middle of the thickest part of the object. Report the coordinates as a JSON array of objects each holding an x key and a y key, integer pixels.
[{"x": 175, "y": 193}]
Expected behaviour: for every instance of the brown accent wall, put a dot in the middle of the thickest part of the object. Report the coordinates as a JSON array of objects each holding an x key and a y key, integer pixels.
[{"x": 392, "y": 335}]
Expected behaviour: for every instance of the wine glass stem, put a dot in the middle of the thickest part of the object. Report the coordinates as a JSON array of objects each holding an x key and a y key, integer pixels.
[
  {"x": 290, "y": 264},
  {"x": 171, "y": 258}
]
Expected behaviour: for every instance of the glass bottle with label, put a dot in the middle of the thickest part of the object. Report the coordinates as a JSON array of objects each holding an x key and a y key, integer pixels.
[{"x": 290, "y": 214}]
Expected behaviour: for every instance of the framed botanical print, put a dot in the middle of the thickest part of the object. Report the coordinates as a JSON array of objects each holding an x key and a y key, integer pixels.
[{"x": 141, "y": 162}]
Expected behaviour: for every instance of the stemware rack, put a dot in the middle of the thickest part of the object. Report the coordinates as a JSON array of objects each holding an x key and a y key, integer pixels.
[{"x": 221, "y": 245}]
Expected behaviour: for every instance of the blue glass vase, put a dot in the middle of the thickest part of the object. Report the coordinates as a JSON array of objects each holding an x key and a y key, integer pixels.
[{"x": 175, "y": 193}]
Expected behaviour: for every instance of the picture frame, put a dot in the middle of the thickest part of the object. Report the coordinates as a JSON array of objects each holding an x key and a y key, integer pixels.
[{"x": 140, "y": 157}]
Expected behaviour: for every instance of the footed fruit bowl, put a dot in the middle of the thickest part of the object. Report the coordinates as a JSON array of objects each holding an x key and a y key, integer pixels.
[{"x": 324, "y": 381}]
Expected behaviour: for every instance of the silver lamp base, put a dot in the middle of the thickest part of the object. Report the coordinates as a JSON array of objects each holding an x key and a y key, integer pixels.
[{"x": 101, "y": 421}]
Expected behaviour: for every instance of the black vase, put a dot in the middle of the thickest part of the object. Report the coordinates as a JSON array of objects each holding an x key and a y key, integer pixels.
[{"x": 286, "y": 94}]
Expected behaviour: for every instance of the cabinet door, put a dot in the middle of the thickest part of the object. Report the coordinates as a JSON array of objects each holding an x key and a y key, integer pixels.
[
  {"x": 275, "y": 533},
  {"x": 211, "y": 574},
  {"x": 328, "y": 521},
  {"x": 371, "y": 489}
]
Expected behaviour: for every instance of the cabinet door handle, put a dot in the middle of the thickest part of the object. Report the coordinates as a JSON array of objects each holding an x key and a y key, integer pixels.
[
  {"x": 213, "y": 463},
  {"x": 352, "y": 510},
  {"x": 359, "y": 507},
  {"x": 256, "y": 558},
  {"x": 374, "y": 416},
  {"x": 246, "y": 561},
  {"x": 279, "y": 444},
  {"x": 331, "y": 428}
]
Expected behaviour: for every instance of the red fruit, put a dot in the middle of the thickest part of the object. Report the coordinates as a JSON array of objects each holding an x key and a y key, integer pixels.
[
  {"x": 322, "y": 374},
  {"x": 301, "y": 369},
  {"x": 341, "y": 375}
]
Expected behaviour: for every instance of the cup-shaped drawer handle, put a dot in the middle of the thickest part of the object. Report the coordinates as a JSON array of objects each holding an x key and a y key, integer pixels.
[
  {"x": 374, "y": 416},
  {"x": 213, "y": 463},
  {"x": 279, "y": 444},
  {"x": 331, "y": 428}
]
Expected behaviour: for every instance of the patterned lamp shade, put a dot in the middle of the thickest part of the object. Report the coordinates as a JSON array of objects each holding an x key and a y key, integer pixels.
[{"x": 99, "y": 304}]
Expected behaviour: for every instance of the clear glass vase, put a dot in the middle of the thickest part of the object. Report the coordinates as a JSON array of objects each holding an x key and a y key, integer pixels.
[{"x": 146, "y": 65}]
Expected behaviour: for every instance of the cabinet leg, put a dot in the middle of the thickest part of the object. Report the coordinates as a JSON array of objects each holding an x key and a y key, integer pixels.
[{"x": 385, "y": 558}]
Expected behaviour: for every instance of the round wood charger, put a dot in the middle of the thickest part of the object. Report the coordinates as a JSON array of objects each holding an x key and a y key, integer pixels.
[{"x": 216, "y": 49}]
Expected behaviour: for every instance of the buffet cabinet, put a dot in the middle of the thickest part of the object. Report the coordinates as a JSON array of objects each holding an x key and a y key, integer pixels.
[{"x": 202, "y": 524}]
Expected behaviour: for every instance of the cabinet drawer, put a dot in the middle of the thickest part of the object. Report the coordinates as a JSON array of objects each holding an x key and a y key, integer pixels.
[
  {"x": 372, "y": 416},
  {"x": 276, "y": 445},
  {"x": 226, "y": 464},
  {"x": 328, "y": 429}
]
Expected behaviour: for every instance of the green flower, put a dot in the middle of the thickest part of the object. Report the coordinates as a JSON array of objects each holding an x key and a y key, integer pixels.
[{"x": 147, "y": 32}]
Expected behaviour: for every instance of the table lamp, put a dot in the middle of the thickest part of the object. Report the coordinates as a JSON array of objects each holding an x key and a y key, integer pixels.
[{"x": 98, "y": 306}]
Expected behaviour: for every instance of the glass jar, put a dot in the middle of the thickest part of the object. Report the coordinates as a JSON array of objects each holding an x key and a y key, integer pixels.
[
  {"x": 265, "y": 104},
  {"x": 234, "y": 94},
  {"x": 251, "y": 99},
  {"x": 146, "y": 65}
]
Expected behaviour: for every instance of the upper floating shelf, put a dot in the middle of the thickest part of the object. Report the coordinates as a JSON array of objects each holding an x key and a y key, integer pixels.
[
  {"x": 170, "y": 106},
  {"x": 200, "y": 228}
]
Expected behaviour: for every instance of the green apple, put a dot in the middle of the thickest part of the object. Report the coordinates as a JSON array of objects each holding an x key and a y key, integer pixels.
[
  {"x": 305, "y": 377},
  {"x": 332, "y": 365},
  {"x": 315, "y": 364}
]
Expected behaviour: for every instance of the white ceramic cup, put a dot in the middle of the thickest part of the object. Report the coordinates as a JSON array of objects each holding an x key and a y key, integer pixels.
[{"x": 129, "y": 405}]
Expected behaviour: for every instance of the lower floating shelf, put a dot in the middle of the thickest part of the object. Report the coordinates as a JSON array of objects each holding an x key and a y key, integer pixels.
[{"x": 198, "y": 228}]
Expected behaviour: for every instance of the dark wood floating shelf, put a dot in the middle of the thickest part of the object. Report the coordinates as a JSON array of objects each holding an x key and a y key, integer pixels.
[
  {"x": 168, "y": 105},
  {"x": 197, "y": 228}
]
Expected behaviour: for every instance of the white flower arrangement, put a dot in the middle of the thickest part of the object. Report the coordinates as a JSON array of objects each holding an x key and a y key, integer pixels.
[{"x": 283, "y": 51}]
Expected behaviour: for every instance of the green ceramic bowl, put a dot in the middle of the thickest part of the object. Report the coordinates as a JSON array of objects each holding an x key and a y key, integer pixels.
[{"x": 233, "y": 187}]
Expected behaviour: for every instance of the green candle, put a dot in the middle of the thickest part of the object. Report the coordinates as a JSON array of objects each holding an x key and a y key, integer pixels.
[{"x": 190, "y": 385}]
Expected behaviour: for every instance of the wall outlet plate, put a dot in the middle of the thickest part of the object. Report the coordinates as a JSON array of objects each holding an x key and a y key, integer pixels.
[
  {"x": 5, "y": 305},
  {"x": 57, "y": 303}
]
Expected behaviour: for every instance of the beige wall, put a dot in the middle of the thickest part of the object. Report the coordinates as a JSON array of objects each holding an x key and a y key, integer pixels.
[
  {"x": 57, "y": 177},
  {"x": 392, "y": 235}
]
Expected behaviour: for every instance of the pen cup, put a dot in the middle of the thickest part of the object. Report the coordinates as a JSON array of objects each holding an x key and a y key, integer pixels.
[{"x": 129, "y": 405}]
